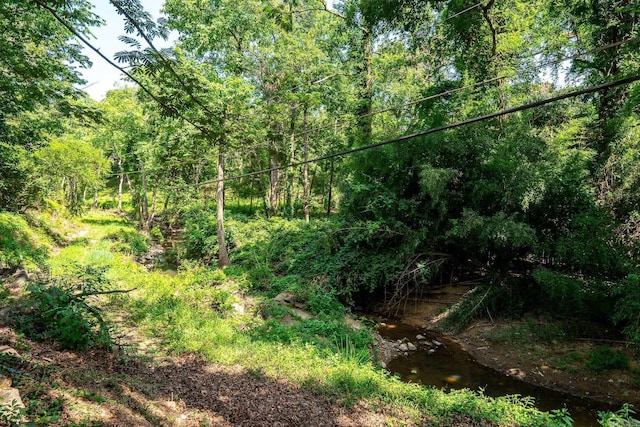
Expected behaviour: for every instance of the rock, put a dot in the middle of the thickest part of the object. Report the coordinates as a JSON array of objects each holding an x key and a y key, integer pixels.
[
  {"x": 5, "y": 349},
  {"x": 352, "y": 323},
  {"x": 436, "y": 343},
  {"x": 411, "y": 347},
  {"x": 403, "y": 347},
  {"x": 285, "y": 298},
  {"x": 406, "y": 354},
  {"x": 302, "y": 314},
  {"x": 238, "y": 308},
  {"x": 431, "y": 351},
  {"x": 421, "y": 337},
  {"x": 10, "y": 397},
  {"x": 383, "y": 325}
]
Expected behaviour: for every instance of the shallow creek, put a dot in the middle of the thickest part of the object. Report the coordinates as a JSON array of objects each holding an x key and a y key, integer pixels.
[{"x": 448, "y": 366}]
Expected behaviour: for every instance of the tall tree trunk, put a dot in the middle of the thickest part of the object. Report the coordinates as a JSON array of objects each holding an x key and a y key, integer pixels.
[
  {"x": 121, "y": 183},
  {"x": 223, "y": 254},
  {"x": 95, "y": 199},
  {"x": 292, "y": 159},
  {"x": 143, "y": 204},
  {"x": 273, "y": 185},
  {"x": 366, "y": 97},
  {"x": 305, "y": 170},
  {"x": 152, "y": 211}
]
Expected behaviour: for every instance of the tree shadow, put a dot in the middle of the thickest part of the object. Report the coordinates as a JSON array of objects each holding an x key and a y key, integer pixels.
[{"x": 185, "y": 390}]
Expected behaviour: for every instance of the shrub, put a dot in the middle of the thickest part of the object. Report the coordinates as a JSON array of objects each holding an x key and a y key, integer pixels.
[
  {"x": 603, "y": 358},
  {"x": 628, "y": 306},
  {"x": 19, "y": 244},
  {"x": 129, "y": 242},
  {"x": 60, "y": 310}
]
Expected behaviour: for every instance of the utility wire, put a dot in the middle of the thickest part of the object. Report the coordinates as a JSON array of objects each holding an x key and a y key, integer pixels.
[
  {"x": 425, "y": 132},
  {"x": 464, "y": 11},
  {"x": 165, "y": 61}
]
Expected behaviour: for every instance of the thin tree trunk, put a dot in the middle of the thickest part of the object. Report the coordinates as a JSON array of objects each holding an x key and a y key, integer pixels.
[
  {"x": 152, "y": 212},
  {"x": 223, "y": 254},
  {"x": 95, "y": 199},
  {"x": 305, "y": 168},
  {"x": 120, "y": 184},
  {"x": 292, "y": 159},
  {"x": 273, "y": 186}
]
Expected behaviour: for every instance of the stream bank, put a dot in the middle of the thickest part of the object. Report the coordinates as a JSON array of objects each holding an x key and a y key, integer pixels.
[{"x": 499, "y": 358}]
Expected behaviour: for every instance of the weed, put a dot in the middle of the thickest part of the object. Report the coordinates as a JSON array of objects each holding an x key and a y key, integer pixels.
[
  {"x": 11, "y": 413},
  {"x": 60, "y": 310},
  {"x": 622, "y": 418}
]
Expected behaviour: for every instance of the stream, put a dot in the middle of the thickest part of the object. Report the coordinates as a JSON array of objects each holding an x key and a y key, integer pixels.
[{"x": 444, "y": 364}]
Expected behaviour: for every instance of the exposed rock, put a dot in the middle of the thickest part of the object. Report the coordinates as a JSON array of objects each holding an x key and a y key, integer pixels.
[
  {"x": 5, "y": 349},
  {"x": 421, "y": 337},
  {"x": 19, "y": 278},
  {"x": 436, "y": 343},
  {"x": 411, "y": 347},
  {"x": 285, "y": 298},
  {"x": 301, "y": 313},
  {"x": 403, "y": 347},
  {"x": 11, "y": 397},
  {"x": 352, "y": 323}
]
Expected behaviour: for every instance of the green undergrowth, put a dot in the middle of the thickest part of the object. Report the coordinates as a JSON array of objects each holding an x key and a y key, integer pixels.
[
  {"x": 21, "y": 244},
  {"x": 221, "y": 316},
  {"x": 228, "y": 317}
]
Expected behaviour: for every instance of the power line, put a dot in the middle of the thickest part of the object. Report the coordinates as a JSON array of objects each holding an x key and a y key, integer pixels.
[
  {"x": 425, "y": 132},
  {"x": 464, "y": 11}
]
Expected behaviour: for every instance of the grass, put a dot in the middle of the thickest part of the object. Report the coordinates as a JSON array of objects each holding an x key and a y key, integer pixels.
[{"x": 193, "y": 311}]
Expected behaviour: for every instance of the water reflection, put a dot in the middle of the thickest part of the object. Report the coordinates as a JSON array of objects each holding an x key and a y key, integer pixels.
[{"x": 449, "y": 367}]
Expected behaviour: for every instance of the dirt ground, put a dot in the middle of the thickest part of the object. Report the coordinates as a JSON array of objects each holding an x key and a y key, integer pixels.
[{"x": 101, "y": 388}]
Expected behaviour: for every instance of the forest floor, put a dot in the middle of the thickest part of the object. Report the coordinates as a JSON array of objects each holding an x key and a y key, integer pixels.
[
  {"x": 534, "y": 350},
  {"x": 146, "y": 388}
]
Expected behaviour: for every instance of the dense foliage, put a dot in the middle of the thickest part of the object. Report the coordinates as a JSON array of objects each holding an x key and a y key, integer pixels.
[{"x": 541, "y": 206}]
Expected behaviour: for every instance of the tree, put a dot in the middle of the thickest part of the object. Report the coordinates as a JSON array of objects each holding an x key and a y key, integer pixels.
[
  {"x": 37, "y": 88},
  {"x": 71, "y": 166}
]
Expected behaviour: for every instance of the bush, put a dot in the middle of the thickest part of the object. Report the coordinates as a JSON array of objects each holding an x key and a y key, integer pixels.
[
  {"x": 628, "y": 306},
  {"x": 19, "y": 244},
  {"x": 603, "y": 358},
  {"x": 129, "y": 242},
  {"x": 60, "y": 310}
]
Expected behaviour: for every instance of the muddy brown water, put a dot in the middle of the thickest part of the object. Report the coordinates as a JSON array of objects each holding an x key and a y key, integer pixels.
[{"x": 448, "y": 366}]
